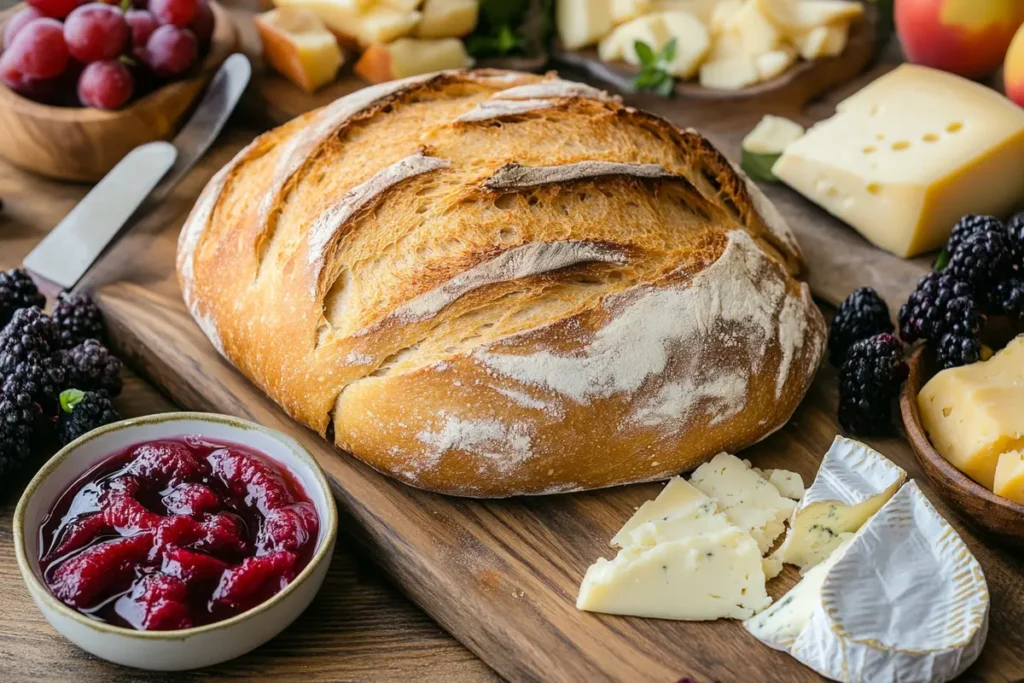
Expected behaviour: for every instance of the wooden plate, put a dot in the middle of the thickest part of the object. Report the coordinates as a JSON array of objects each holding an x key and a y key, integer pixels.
[
  {"x": 79, "y": 143},
  {"x": 800, "y": 84},
  {"x": 999, "y": 517}
]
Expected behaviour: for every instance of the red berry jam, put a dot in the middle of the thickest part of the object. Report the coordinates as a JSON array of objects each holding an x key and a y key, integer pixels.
[{"x": 177, "y": 533}]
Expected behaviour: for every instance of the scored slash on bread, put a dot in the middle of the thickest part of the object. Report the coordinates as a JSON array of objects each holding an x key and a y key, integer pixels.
[{"x": 488, "y": 283}]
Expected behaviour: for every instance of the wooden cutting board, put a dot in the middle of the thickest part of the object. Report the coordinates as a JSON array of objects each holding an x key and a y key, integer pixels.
[{"x": 502, "y": 576}]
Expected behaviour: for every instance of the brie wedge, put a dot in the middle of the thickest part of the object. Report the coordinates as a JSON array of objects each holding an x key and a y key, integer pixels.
[
  {"x": 681, "y": 559},
  {"x": 904, "y": 600},
  {"x": 854, "y": 481},
  {"x": 749, "y": 500}
]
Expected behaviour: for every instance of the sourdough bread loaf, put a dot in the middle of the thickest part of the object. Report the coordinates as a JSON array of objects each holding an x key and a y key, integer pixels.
[{"x": 490, "y": 283}]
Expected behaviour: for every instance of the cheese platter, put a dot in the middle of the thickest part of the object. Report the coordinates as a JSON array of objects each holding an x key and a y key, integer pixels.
[{"x": 458, "y": 288}]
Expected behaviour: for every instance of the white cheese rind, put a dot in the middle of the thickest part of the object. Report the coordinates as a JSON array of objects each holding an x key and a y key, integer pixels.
[
  {"x": 853, "y": 482},
  {"x": 905, "y": 602},
  {"x": 749, "y": 500}
]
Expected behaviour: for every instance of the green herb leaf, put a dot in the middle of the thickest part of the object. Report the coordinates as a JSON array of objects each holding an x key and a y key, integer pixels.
[
  {"x": 666, "y": 88},
  {"x": 942, "y": 260},
  {"x": 645, "y": 53},
  {"x": 668, "y": 53},
  {"x": 759, "y": 166},
  {"x": 70, "y": 398}
]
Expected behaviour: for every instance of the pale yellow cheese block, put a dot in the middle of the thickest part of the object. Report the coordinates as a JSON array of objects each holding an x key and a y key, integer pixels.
[
  {"x": 975, "y": 413},
  {"x": 1009, "y": 480},
  {"x": 910, "y": 154}
]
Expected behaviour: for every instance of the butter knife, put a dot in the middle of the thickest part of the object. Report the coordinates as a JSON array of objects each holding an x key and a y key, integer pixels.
[{"x": 151, "y": 170}]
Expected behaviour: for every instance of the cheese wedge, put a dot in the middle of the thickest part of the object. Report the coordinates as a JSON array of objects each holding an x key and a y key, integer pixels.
[
  {"x": 582, "y": 22},
  {"x": 919, "y": 147},
  {"x": 975, "y": 412},
  {"x": 749, "y": 500},
  {"x": 854, "y": 481},
  {"x": 681, "y": 558},
  {"x": 772, "y": 135},
  {"x": 447, "y": 18},
  {"x": 1009, "y": 481},
  {"x": 904, "y": 601}
]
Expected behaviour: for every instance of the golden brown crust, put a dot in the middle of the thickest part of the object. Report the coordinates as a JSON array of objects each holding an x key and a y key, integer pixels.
[{"x": 490, "y": 283}]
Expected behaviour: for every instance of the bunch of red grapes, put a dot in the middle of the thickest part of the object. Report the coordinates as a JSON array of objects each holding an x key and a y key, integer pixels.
[{"x": 102, "y": 55}]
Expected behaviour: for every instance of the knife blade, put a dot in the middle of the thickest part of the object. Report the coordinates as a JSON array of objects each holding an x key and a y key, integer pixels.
[{"x": 149, "y": 171}]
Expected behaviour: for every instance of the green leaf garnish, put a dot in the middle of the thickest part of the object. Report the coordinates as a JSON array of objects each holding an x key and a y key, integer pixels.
[
  {"x": 654, "y": 75},
  {"x": 70, "y": 398},
  {"x": 759, "y": 166},
  {"x": 942, "y": 260}
]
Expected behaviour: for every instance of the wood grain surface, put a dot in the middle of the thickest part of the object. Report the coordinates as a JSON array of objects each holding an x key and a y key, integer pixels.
[
  {"x": 988, "y": 513},
  {"x": 77, "y": 143},
  {"x": 502, "y": 576},
  {"x": 359, "y": 628}
]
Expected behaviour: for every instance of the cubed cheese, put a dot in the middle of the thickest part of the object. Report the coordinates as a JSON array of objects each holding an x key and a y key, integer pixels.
[
  {"x": 1009, "y": 479},
  {"x": 692, "y": 43},
  {"x": 699, "y": 8},
  {"x": 726, "y": 45},
  {"x": 410, "y": 57},
  {"x": 298, "y": 45},
  {"x": 749, "y": 500},
  {"x": 732, "y": 73},
  {"x": 822, "y": 41},
  {"x": 975, "y": 412},
  {"x": 774, "y": 63},
  {"x": 803, "y": 15},
  {"x": 624, "y": 10},
  {"x": 619, "y": 45},
  {"x": 910, "y": 154},
  {"x": 582, "y": 22},
  {"x": 757, "y": 34},
  {"x": 722, "y": 15},
  {"x": 372, "y": 24},
  {"x": 772, "y": 135},
  {"x": 447, "y": 18}
]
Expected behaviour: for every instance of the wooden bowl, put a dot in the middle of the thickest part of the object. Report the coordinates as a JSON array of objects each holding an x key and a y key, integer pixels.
[
  {"x": 799, "y": 84},
  {"x": 79, "y": 143},
  {"x": 998, "y": 517}
]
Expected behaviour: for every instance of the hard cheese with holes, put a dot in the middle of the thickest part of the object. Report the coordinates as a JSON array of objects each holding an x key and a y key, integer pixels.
[{"x": 909, "y": 155}]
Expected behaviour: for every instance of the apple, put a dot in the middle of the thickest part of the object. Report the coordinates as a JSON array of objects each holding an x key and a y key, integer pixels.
[
  {"x": 1013, "y": 72},
  {"x": 965, "y": 37}
]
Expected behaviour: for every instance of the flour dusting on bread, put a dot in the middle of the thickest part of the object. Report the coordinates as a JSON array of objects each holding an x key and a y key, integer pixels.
[
  {"x": 554, "y": 88},
  {"x": 517, "y": 176},
  {"x": 495, "y": 109},
  {"x": 734, "y": 302},
  {"x": 499, "y": 443}
]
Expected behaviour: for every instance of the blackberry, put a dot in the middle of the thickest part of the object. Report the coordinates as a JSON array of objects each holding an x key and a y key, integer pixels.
[
  {"x": 954, "y": 351},
  {"x": 969, "y": 225},
  {"x": 868, "y": 381},
  {"x": 91, "y": 367},
  {"x": 939, "y": 305},
  {"x": 981, "y": 259},
  {"x": 41, "y": 378},
  {"x": 78, "y": 319},
  {"x": 1015, "y": 239},
  {"x": 29, "y": 336},
  {"x": 1007, "y": 298},
  {"x": 863, "y": 314},
  {"x": 81, "y": 412},
  {"x": 17, "y": 419},
  {"x": 17, "y": 291}
]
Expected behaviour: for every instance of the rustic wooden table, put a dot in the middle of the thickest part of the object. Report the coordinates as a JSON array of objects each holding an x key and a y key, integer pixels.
[{"x": 359, "y": 627}]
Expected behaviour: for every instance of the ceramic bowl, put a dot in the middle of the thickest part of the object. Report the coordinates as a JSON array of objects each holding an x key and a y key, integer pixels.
[
  {"x": 189, "y": 648},
  {"x": 1000, "y": 518},
  {"x": 83, "y": 144}
]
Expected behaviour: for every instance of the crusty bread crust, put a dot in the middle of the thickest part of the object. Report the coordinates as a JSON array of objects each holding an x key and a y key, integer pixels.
[{"x": 489, "y": 283}]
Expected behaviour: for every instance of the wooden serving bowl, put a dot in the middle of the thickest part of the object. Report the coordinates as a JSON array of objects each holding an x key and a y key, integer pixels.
[
  {"x": 999, "y": 517},
  {"x": 83, "y": 144}
]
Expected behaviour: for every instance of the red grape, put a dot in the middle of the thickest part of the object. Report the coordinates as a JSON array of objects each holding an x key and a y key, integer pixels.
[
  {"x": 142, "y": 24},
  {"x": 95, "y": 32},
  {"x": 171, "y": 51},
  {"x": 17, "y": 22},
  {"x": 39, "y": 50},
  {"x": 105, "y": 85},
  {"x": 202, "y": 25},
  {"x": 175, "y": 12},
  {"x": 56, "y": 9}
]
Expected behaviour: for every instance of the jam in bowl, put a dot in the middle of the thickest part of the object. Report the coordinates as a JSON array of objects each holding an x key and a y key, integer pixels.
[{"x": 176, "y": 533}]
